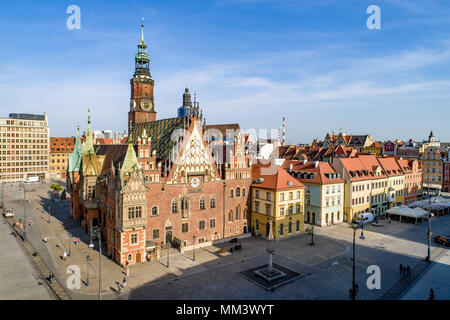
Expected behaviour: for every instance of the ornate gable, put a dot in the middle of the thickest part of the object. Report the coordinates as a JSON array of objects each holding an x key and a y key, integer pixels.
[{"x": 194, "y": 157}]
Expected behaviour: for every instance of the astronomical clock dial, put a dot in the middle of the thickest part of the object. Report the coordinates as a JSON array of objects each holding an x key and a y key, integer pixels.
[
  {"x": 146, "y": 105},
  {"x": 132, "y": 104},
  {"x": 195, "y": 183}
]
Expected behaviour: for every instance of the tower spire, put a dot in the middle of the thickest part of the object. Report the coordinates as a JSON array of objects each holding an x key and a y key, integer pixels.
[{"x": 142, "y": 27}]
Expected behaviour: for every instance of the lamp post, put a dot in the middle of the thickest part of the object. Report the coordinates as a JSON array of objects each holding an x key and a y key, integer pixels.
[
  {"x": 354, "y": 290},
  {"x": 97, "y": 233},
  {"x": 24, "y": 215},
  {"x": 428, "y": 258},
  {"x": 193, "y": 238},
  {"x": 87, "y": 270},
  {"x": 68, "y": 234}
]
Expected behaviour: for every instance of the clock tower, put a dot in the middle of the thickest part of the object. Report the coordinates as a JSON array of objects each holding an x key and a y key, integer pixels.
[{"x": 142, "y": 107}]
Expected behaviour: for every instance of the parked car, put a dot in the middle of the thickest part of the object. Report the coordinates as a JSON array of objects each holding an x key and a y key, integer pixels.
[
  {"x": 8, "y": 213},
  {"x": 443, "y": 240}
]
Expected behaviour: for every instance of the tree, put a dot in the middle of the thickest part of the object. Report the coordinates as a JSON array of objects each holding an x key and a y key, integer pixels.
[
  {"x": 56, "y": 187},
  {"x": 310, "y": 232}
]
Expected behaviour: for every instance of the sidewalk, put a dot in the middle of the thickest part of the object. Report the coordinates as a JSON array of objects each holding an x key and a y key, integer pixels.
[
  {"x": 18, "y": 279},
  {"x": 436, "y": 277}
]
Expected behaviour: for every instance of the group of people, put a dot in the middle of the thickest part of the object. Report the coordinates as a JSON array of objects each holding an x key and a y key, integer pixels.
[
  {"x": 405, "y": 271},
  {"x": 124, "y": 281}
]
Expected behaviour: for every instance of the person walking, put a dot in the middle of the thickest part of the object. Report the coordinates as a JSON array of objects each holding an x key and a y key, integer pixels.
[
  {"x": 408, "y": 271},
  {"x": 431, "y": 294},
  {"x": 401, "y": 269},
  {"x": 64, "y": 256},
  {"x": 119, "y": 288},
  {"x": 127, "y": 271},
  {"x": 124, "y": 282}
]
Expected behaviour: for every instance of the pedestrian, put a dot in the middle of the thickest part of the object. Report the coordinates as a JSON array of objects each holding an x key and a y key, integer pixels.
[
  {"x": 119, "y": 288},
  {"x": 64, "y": 255},
  {"x": 128, "y": 271},
  {"x": 45, "y": 239},
  {"x": 431, "y": 294},
  {"x": 390, "y": 220},
  {"x": 124, "y": 283},
  {"x": 408, "y": 271},
  {"x": 401, "y": 269}
]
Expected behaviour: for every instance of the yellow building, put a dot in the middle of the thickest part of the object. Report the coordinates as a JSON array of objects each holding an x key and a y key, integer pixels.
[
  {"x": 432, "y": 168},
  {"x": 374, "y": 148},
  {"x": 276, "y": 198},
  {"x": 396, "y": 181}
]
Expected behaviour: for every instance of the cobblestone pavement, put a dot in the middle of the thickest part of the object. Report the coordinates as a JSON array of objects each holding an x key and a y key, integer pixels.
[{"x": 326, "y": 266}]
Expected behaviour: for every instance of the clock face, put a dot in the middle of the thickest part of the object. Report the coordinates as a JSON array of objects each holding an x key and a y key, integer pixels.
[
  {"x": 195, "y": 182},
  {"x": 146, "y": 105},
  {"x": 132, "y": 104}
]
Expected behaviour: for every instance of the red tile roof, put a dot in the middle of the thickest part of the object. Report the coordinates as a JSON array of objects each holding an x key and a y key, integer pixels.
[
  {"x": 321, "y": 172},
  {"x": 276, "y": 179}
]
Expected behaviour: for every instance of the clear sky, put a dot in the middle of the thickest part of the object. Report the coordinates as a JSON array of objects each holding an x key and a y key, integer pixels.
[{"x": 249, "y": 61}]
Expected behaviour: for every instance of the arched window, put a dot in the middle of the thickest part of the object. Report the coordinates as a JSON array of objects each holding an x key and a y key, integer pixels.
[
  {"x": 290, "y": 210},
  {"x": 184, "y": 204},
  {"x": 202, "y": 203},
  {"x": 212, "y": 201},
  {"x": 230, "y": 216},
  {"x": 238, "y": 192},
  {"x": 174, "y": 206},
  {"x": 281, "y": 229},
  {"x": 298, "y": 226},
  {"x": 245, "y": 214},
  {"x": 154, "y": 211},
  {"x": 231, "y": 193},
  {"x": 243, "y": 192},
  {"x": 290, "y": 227},
  {"x": 237, "y": 213},
  {"x": 257, "y": 224}
]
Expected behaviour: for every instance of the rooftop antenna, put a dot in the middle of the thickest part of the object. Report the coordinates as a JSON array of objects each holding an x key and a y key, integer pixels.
[{"x": 142, "y": 30}]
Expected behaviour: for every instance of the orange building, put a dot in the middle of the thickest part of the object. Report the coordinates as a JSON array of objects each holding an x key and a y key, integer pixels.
[{"x": 60, "y": 148}]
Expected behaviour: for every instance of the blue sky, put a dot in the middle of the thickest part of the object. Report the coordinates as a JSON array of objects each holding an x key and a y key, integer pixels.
[{"x": 249, "y": 61}]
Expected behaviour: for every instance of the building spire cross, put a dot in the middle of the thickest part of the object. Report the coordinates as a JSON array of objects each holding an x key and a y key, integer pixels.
[{"x": 142, "y": 30}]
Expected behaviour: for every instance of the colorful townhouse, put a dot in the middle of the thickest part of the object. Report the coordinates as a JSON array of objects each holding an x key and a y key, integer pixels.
[
  {"x": 396, "y": 181},
  {"x": 413, "y": 179},
  {"x": 324, "y": 195},
  {"x": 357, "y": 182},
  {"x": 379, "y": 185},
  {"x": 276, "y": 198}
]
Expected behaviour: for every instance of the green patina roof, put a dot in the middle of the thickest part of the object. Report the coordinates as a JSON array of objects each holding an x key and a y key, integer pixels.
[
  {"x": 75, "y": 157},
  {"x": 160, "y": 133},
  {"x": 130, "y": 164}
]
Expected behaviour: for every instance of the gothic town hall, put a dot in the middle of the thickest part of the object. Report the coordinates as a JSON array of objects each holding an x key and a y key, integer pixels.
[{"x": 176, "y": 181}]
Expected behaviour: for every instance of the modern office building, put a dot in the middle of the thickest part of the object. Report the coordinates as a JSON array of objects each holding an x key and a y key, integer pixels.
[{"x": 24, "y": 147}]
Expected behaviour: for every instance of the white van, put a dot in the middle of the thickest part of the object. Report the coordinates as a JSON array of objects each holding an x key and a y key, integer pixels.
[{"x": 365, "y": 218}]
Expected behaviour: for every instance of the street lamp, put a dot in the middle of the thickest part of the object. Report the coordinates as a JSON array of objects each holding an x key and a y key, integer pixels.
[
  {"x": 68, "y": 234},
  {"x": 429, "y": 233},
  {"x": 354, "y": 290},
  {"x": 98, "y": 234},
  {"x": 87, "y": 270},
  {"x": 24, "y": 214},
  {"x": 193, "y": 238}
]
